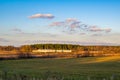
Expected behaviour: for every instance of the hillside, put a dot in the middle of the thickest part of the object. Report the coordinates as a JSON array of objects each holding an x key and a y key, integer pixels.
[{"x": 97, "y": 67}]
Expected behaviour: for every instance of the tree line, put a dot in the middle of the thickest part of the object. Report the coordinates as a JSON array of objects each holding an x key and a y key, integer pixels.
[{"x": 74, "y": 48}]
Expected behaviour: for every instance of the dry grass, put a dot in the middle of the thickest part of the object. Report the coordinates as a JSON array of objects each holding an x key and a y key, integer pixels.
[
  {"x": 8, "y": 52},
  {"x": 104, "y": 59}
]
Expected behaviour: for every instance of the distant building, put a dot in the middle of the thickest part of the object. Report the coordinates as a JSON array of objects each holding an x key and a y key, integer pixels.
[{"x": 50, "y": 50}]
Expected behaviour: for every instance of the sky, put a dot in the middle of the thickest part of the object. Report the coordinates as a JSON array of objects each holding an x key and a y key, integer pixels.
[{"x": 88, "y": 22}]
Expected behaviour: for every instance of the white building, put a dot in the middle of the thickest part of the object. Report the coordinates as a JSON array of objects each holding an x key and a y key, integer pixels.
[{"x": 51, "y": 50}]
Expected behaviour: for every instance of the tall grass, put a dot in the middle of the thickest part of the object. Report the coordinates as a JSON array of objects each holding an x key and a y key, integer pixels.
[{"x": 56, "y": 76}]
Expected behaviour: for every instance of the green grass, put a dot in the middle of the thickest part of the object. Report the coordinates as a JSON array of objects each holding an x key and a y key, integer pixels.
[{"x": 92, "y": 66}]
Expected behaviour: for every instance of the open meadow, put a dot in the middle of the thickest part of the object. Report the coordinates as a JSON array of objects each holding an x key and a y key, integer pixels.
[
  {"x": 59, "y": 39},
  {"x": 77, "y": 68}
]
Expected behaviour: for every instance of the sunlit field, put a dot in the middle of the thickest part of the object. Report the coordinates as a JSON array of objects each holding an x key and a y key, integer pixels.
[
  {"x": 72, "y": 67},
  {"x": 59, "y": 39}
]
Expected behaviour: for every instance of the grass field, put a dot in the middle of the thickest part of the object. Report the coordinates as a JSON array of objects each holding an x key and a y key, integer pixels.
[{"x": 89, "y": 66}]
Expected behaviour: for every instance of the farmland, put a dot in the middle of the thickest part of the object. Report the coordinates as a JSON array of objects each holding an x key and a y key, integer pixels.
[{"x": 67, "y": 67}]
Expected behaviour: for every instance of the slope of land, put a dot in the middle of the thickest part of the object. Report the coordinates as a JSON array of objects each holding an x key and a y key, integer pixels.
[{"x": 90, "y": 65}]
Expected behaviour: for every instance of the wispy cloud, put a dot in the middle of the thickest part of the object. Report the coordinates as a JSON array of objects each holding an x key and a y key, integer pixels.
[
  {"x": 3, "y": 40},
  {"x": 96, "y": 34},
  {"x": 82, "y": 33},
  {"x": 71, "y": 20},
  {"x": 94, "y": 42},
  {"x": 44, "y": 16},
  {"x": 19, "y": 32},
  {"x": 57, "y": 24},
  {"x": 98, "y": 29},
  {"x": 72, "y": 25},
  {"x": 16, "y": 30},
  {"x": 108, "y": 29}
]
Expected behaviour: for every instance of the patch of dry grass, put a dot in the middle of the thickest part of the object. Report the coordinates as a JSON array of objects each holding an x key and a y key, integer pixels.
[{"x": 103, "y": 59}]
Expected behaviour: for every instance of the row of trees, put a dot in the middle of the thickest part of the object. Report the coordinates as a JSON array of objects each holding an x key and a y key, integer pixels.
[{"x": 74, "y": 48}]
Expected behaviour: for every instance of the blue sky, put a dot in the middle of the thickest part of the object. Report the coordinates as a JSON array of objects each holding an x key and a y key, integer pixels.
[{"x": 32, "y": 20}]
